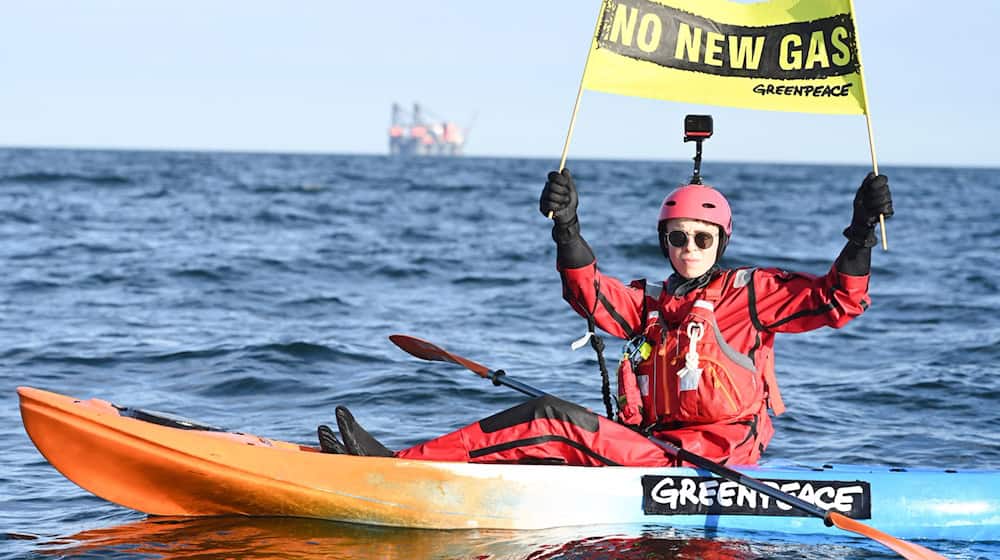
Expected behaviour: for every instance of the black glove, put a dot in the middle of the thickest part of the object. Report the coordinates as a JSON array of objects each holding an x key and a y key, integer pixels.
[
  {"x": 873, "y": 198},
  {"x": 559, "y": 197}
]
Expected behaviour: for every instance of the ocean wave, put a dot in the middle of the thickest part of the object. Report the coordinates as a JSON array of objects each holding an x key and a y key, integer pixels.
[
  {"x": 8, "y": 216},
  {"x": 644, "y": 250},
  {"x": 32, "y": 286},
  {"x": 317, "y": 300},
  {"x": 984, "y": 351},
  {"x": 310, "y": 352},
  {"x": 47, "y": 178},
  {"x": 245, "y": 385},
  {"x": 273, "y": 216},
  {"x": 285, "y": 353},
  {"x": 187, "y": 355},
  {"x": 400, "y": 271},
  {"x": 281, "y": 188},
  {"x": 490, "y": 281},
  {"x": 216, "y": 274},
  {"x": 152, "y": 194}
]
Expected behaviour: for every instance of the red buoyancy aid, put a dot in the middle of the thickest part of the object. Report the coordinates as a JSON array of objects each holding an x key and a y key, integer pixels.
[{"x": 687, "y": 373}]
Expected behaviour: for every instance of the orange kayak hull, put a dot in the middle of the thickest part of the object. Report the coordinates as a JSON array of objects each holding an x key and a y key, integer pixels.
[{"x": 167, "y": 471}]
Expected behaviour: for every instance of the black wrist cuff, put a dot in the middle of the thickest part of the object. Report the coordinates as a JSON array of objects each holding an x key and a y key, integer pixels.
[
  {"x": 566, "y": 232},
  {"x": 572, "y": 251},
  {"x": 855, "y": 260},
  {"x": 862, "y": 236}
]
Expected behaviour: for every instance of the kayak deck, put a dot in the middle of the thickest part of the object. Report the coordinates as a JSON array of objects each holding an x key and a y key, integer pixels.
[{"x": 164, "y": 470}]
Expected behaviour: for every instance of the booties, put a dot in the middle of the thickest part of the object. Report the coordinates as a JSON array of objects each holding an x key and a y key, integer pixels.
[
  {"x": 328, "y": 442},
  {"x": 357, "y": 440}
]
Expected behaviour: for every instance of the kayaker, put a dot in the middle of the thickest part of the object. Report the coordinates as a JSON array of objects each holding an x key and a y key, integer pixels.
[{"x": 698, "y": 369}]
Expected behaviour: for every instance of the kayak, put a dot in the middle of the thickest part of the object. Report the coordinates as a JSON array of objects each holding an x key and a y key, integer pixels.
[{"x": 161, "y": 464}]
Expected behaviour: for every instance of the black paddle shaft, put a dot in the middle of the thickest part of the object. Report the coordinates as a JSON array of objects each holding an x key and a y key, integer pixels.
[{"x": 499, "y": 377}]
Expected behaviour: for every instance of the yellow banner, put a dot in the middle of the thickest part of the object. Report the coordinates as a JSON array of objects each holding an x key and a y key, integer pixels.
[{"x": 780, "y": 55}]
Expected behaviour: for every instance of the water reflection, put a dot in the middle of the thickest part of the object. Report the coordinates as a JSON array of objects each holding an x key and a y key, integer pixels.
[
  {"x": 648, "y": 548},
  {"x": 286, "y": 538}
]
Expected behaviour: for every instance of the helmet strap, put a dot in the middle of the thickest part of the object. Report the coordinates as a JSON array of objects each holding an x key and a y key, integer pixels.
[{"x": 723, "y": 242}]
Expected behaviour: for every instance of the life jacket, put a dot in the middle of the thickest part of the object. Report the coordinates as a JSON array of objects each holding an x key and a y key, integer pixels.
[{"x": 686, "y": 373}]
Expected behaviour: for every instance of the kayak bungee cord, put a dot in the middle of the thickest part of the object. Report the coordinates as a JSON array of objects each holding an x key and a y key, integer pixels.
[{"x": 429, "y": 351}]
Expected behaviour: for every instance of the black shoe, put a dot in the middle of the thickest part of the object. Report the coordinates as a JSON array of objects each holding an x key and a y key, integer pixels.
[
  {"x": 328, "y": 442},
  {"x": 357, "y": 440}
]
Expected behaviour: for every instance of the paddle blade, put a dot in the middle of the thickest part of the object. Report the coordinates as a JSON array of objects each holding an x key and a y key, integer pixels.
[
  {"x": 905, "y": 549},
  {"x": 429, "y": 351}
]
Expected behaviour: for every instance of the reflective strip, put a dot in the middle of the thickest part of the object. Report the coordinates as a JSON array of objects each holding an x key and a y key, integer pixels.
[
  {"x": 643, "y": 384},
  {"x": 654, "y": 291},
  {"x": 730, "y": 352},
  {"x": 704, "y": 305},
  {"x": 743, "y": 277}
]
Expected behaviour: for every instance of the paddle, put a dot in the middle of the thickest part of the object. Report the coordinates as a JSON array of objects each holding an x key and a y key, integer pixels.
[{"x": 429, "y": 351}]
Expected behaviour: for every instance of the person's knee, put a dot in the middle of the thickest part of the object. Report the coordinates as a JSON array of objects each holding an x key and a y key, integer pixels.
[
  {"x": 545, "y": 407},
  {"x": 554, "y": 408}
]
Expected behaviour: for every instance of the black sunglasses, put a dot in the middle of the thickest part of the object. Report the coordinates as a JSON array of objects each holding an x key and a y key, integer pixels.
[{"x": 702, "y": 239}]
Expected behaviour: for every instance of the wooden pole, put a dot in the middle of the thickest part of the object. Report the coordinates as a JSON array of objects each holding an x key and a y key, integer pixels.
[
  {"x": 579, "y": 94},
  {"x": 868, "y": 117}
]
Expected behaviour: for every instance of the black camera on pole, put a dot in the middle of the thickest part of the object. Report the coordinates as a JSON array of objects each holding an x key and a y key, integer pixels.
[{"x": 697, "y": 128}]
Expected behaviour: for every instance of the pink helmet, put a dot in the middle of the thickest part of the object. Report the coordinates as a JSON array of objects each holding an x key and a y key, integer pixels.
[{"x": 698, "y": 202}]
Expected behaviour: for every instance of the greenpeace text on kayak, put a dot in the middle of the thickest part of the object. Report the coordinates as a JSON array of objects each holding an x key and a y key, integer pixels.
[{"x": 701, "y": 495}]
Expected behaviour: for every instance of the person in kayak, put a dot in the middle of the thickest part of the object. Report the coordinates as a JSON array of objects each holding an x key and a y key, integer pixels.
[{"x": 698, "y": 369}]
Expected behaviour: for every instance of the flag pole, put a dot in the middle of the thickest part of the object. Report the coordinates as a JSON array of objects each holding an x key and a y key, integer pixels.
[
  {"x": 579, "y": 94},
  {"x": 572, "y": 122},
  {"x": 868, "y": 117}
]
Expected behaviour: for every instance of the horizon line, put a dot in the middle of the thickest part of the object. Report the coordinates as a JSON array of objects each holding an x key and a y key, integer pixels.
[{"x": 261, "y": 151}]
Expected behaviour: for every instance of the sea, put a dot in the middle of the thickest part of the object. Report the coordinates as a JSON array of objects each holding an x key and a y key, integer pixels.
[{"x": 257, "y": 291}]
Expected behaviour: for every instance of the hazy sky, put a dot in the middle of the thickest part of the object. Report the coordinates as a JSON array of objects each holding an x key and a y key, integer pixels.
[{"x": 321, "y": 76}]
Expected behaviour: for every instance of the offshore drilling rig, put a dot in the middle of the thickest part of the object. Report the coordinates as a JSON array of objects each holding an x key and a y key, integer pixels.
[{"x": 416, "y": 134}]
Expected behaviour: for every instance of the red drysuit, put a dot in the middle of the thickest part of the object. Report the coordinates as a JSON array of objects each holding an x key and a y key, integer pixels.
[{"x": 705, "y": 383}]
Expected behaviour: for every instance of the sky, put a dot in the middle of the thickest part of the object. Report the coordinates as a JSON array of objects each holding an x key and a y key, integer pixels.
[{"x": 321, "y": 76}]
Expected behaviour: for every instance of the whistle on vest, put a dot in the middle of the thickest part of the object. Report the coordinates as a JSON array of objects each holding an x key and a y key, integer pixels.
[{"x": 690, "y": 374}]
